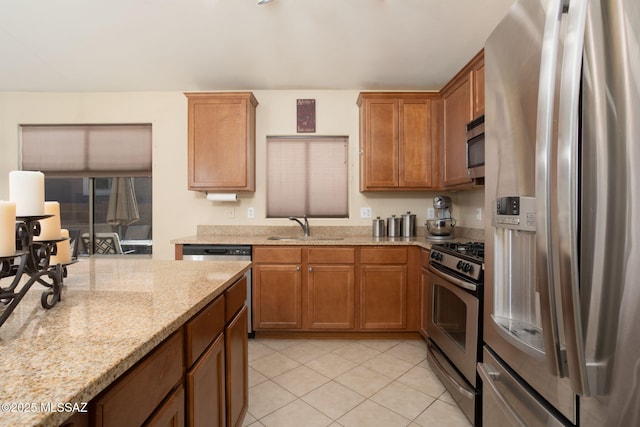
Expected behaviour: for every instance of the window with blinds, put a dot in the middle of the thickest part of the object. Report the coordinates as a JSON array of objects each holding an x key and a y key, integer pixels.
[
  {"x": 307, "y": 176},
  {"x": 87, "y": 150}
]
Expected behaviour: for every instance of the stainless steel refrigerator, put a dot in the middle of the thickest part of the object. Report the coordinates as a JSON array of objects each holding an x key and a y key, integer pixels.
[{"x": 562, "y": 262}]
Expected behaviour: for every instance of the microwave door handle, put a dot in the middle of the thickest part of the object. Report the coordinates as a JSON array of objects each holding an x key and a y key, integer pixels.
[
  {"x": 544, "y": 184},
  {"x": 567, "y": 196}
]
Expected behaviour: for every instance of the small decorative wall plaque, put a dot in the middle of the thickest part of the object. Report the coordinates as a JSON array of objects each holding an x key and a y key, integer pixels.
[{"x": 306, "y": 109}]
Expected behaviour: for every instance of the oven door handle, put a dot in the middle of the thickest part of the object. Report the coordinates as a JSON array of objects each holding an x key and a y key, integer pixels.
[
  {"x": 444, "y": 374},
  {"x": 461, "y": 283}
]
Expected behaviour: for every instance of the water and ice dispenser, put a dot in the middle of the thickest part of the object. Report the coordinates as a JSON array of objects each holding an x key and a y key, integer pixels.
[{"x": 516, "y": 297}]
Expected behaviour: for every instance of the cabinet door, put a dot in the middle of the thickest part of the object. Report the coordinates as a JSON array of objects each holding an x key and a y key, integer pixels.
[
  {"x": 277, "y": 300},
  {"x": 237, "y": 362},
  {"x": 379, "y": 149},
  {"x": 206, "y": 387},
  {"x": 171, "y": 413},
  {"x": 457, "y": 102},
  {"x": 221, "y": 141},
  {"x": 383, "y": 296},
  {"x": 478, "y": 87},
  {"x": 416, "y": 148},
  {"x": 331, "y": 297}
]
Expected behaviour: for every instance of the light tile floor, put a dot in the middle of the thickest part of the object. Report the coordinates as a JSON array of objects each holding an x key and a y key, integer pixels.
[{"x": 323, "y": 382}]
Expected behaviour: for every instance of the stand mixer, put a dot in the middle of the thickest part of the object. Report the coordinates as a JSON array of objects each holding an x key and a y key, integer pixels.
[{"x": 441, "y": 227}]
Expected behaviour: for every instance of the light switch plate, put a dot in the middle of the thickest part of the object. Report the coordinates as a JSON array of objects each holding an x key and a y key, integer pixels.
[
  {"x": 365, "y": 212},
  {"x": 479, "y": 214},
  {"x": 431, "y": 213},
  {"x": 251, "y": 213}
]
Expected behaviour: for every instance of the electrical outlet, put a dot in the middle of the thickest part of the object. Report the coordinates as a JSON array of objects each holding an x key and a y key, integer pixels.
[
  {"x": 479, "y": 214},
  {"x": 431, "y": 213},
  {"x": 231, "y": 212},
  {"x": 365, "y": 212},
  {"x": 251, "y": 213}
]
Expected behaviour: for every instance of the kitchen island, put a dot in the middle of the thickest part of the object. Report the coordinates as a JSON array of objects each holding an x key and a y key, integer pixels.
[{"x": 114, "y": 311}]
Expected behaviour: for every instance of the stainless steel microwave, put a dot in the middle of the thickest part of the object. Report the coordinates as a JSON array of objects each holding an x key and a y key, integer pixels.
[{"x": 475, "y": 148}]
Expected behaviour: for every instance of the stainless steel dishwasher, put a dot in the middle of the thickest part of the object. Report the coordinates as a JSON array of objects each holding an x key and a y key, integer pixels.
[{"x": 223, "y": 253}]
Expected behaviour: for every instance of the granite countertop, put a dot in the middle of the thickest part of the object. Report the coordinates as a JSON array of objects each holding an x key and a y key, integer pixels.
[
  {"x": 114, "y": 310},
  {"x": 299, "y": 240},
  {"x": 321, "y": 235}
]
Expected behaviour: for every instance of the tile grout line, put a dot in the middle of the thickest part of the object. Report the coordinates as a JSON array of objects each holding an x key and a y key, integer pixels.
[{"x": 392, "y": 380}]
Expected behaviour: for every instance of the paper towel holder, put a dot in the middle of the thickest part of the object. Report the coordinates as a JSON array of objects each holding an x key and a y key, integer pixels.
[{"x": 222, "y": 197}]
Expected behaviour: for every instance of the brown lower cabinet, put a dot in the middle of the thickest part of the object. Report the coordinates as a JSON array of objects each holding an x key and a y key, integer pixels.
[
  {"x": 383, "y": 288},
  {"x": 206, "y": 387},
  {"x": 237, "y": 361},
  {"x": 198, "y": 376},
  {"x": 335, "y": 289}
]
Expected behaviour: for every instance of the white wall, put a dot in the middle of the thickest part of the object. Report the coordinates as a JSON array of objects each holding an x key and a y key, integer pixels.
[{"x": 177, "y": 211}]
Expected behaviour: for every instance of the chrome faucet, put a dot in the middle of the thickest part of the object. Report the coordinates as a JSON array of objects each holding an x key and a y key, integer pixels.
[{"x": 305, "y": 226}]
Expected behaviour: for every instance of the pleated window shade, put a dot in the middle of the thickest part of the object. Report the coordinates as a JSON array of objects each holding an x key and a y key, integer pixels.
[
  {"x": 307, "y": 176},
  {"x": 87, "y": 150}
]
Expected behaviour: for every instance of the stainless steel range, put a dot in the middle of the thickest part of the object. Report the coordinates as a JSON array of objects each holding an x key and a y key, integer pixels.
[{"x": 454, "y": 320}]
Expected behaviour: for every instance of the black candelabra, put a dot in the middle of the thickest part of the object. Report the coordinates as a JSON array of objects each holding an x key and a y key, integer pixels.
[{"x": 31, "y": 262}]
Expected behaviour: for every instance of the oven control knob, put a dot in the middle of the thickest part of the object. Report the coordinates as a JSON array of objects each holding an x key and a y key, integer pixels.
[
  {"x": 460, "y": 265},
  {"x": 467, "y": 267}
]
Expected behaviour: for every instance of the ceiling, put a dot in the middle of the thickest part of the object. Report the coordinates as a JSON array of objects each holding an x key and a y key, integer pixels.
[{"x": 167, "y": 45}]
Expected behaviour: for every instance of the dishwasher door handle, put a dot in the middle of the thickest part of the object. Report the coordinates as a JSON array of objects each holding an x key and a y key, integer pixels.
[{"x": 215, "y": 251}]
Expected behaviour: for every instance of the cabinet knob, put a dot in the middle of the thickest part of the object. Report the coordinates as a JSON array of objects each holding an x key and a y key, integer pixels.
[
  {"x": 310, "y": 269},
  {"x": 298, "y": 268}
]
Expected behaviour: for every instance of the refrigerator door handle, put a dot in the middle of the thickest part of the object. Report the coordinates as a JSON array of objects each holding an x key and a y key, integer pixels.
[
  {"x": 489, "y": 378},
  {"x": 544, "y": 184},
  {"x": 566, "y": 227}
]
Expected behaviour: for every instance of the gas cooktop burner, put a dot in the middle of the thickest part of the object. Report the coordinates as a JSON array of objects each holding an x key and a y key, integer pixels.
[
  {"x": 462, "y": 259},
  {"x": 473, "y": 249}
]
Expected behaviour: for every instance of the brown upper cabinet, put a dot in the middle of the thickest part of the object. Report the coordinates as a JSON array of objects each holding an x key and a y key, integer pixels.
[
  {"x": 221, "y": 134},
  {"x": 399, "y": 140},
  {"x": 462, "y": 100}
]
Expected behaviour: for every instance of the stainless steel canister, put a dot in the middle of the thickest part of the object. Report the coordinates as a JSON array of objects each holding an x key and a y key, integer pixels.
[
  {"x": 408, "y": 224},
  {"x": 394, "y": 226},
  {"x": 379, "y": 229}
]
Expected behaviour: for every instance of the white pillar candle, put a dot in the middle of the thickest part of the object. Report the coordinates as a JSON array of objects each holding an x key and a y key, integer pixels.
[
  {"x": 63, "y": 250},
  {"x": 50, "y": 227},
  {"x": 26, "y": 189},
  {"x": 7, "y": 228}
]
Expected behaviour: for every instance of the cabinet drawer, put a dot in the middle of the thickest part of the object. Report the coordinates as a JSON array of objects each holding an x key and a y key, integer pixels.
[
  {"x": 137, "y": 393},
  {"x": 383, "y": 255},
  {"x": 234, "y": 298},
  {"x": 332, "y": 255},
  {"x": 204, "y": 328},
  {"x": 277, "y": 255}
]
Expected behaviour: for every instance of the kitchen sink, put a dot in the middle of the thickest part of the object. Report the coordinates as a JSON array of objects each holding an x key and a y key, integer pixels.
[{"x": 304, "y": 238}]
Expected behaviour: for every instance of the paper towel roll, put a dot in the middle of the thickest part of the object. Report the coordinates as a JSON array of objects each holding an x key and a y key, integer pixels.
[{"x": 222, "y": 197}]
